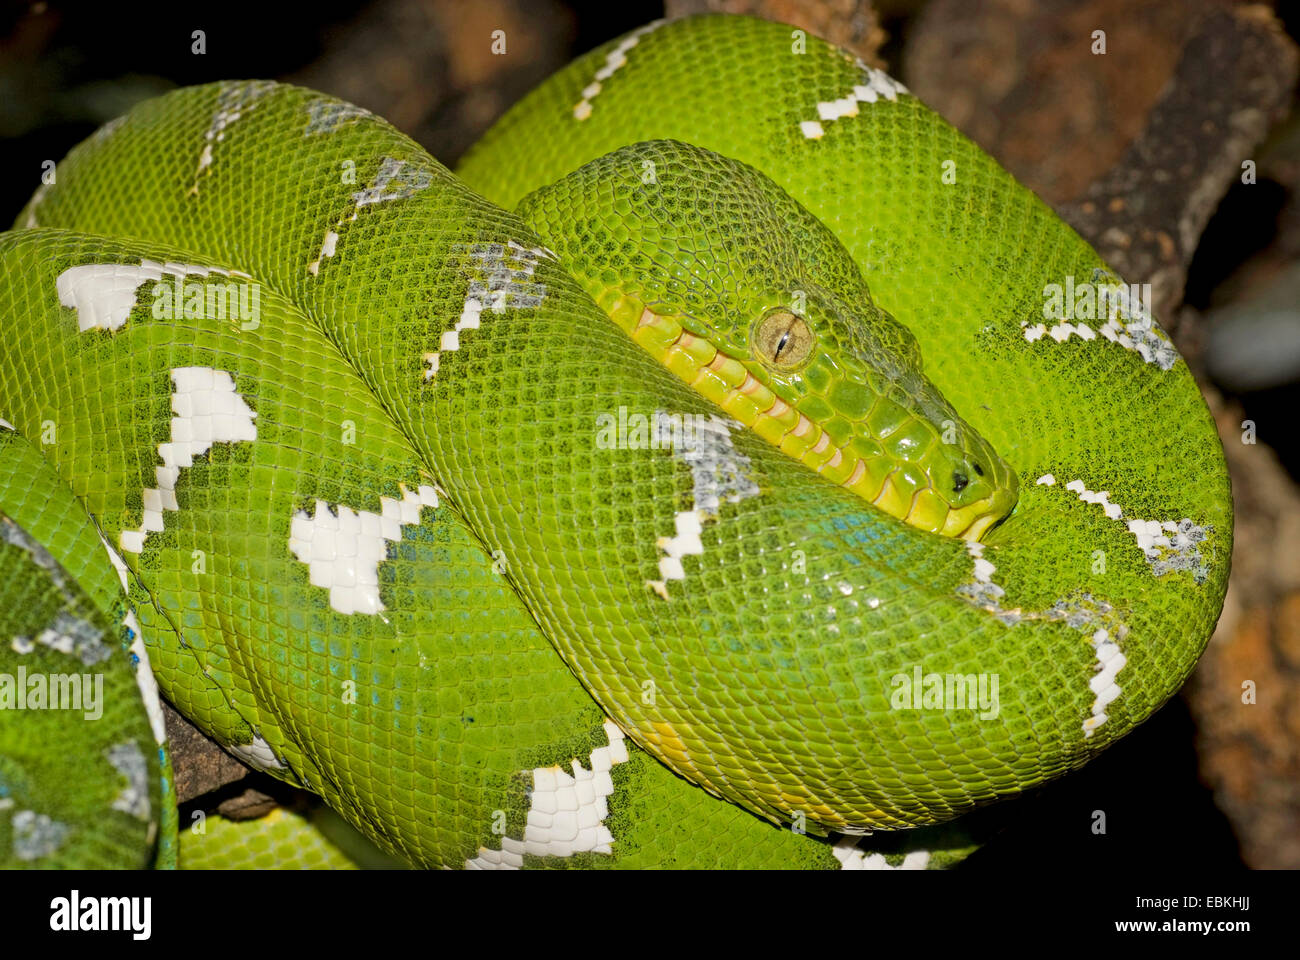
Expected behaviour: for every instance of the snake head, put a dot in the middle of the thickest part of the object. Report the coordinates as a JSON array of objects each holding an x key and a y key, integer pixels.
[{"x": 742, "y": 293}]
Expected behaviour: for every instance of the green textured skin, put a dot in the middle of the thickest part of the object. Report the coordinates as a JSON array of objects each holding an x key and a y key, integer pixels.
[
  {"x": 475, "y": 695},
  {"x": 82, "y": 782},
  {"x": 280, "y": 840},
  {"x": 964, "y": 265},
  {"x": 673, "y": 243},
  {"x": 766, "y": 675}
]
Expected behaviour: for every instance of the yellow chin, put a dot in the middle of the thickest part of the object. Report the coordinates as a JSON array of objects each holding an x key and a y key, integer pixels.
[{"x": 725, "y": 381}]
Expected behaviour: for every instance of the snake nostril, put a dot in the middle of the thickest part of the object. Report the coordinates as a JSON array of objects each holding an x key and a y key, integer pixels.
[
  {"x": 959, "y": 481},
  {"x": 978, "y": 469}
]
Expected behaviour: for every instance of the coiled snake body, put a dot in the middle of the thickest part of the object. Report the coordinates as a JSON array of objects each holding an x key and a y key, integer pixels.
[{"x": 849, "y": 484}]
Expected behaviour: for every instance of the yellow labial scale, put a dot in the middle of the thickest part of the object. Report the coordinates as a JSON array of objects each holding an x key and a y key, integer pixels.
[
  {"x": 770, "y": 429},
  {"x": 741, "y": 407},
  {"x": 978, "y": 528},
  {"x": 700, "y": 350},
  {"x": 783, "y": 414},
  {"x": 818, "y": 459},
  {"x": 928, "y": 511},
  {"x": 763, "y": 397},
  {"x": 625, "y": 311},
  {"x": 658, "y": 335},
  {"x": 681, "y": 362},
  {"x": 711, "y": 386},
  {"x": 891, "y": 499},
  {"x": 958, "y": 520},
  {"x": 838, "y": 472},
  {"x": 796, "y": 446},
  {"x": 862, "y": 487},
  {"x": 731, "y": 371},
  {"x": 872, "y": 478}
]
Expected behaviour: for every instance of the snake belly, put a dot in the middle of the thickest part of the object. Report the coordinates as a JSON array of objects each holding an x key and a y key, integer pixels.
[{"x": 362, "y": 511}]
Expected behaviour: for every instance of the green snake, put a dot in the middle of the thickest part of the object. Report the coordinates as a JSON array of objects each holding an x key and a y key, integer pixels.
[{"x": 729, "y": 466}]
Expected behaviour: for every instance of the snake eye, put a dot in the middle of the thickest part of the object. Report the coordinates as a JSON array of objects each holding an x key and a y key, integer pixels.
[
  {"x": 959, "y": 481},
  {"x": 783, "y": 340}
]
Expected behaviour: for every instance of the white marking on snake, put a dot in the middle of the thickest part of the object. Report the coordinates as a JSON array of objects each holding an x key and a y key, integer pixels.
[
  {"x": 5, "y": 424},
  {"x": 1110, "y": 661},
  {"x": 343, "y": 547},
  {"x": 208, "y": 411},
  {"x": 234, "y": 99},
  {"x": 846, "y": 851},
  {"x": 1060, "y": 332},
  {"x": 325, "y": 115},
  {"x": 36, "y": 835},
  {"x": 1077, "y": 614},
  {"x": 1046, "y": 480},
  {"x": 566, "y": 812},
  {"x": 1168, "y": 545},
  {"x": 144, "y": 679},
  {"x": 614, "y": 61},
  {"x": 1129, "y": 323},
  {"x": 983, "y": 591},
  {"x": 875, "y": 85},
  {"x": 118, "y": 564},
  {"x": 718, "y": 472},
  {"x": 75, "y": 637},
  {"x": 127, "y": 760},
  {"x": 505, "y": 282},
  {"x": 1101, "y": 498},
  {"x": 395, "y": 180},
  {"x": 66, "y": 633},
  {"x": 258, "y": 754},
  {"x": 103, "y": 294}
]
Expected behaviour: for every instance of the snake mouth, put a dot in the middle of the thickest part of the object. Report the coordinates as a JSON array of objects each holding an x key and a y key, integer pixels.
[{"x": 728, "y": 383}]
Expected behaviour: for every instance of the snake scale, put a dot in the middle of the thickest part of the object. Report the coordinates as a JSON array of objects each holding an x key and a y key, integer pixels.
[{"x": 729, "y": 466}]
